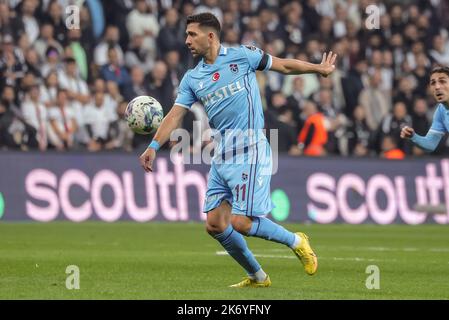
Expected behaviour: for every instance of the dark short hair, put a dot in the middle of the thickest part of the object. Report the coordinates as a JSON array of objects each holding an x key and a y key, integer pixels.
[
  {"x": 31, "y": 86},
  {"x": 440, "y": 69},
  {"x": 69, "y": 60},
  {"x": 61, "y": 90},
  {"x": 205, "y": 19},
  {"x": 51, "y": 49}
]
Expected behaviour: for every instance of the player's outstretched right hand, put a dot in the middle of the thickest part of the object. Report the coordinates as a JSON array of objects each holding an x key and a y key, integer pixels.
[
  {"x": 147, "y": 158},
  {"x": 407, "y": 132}
]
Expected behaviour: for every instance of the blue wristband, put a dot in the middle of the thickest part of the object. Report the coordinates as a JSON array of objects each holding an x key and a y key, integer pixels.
[{"x": 155, "y": 145}]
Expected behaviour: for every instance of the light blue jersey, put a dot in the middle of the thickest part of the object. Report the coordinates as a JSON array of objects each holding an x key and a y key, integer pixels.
[
  {"x": 230, "y": 95},
  {"x": 439, "y": 127},
  {"x": 440, "y": 121}
]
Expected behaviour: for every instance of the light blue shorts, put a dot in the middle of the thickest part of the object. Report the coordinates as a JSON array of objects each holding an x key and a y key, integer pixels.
[{"x": 244, "y": 181}]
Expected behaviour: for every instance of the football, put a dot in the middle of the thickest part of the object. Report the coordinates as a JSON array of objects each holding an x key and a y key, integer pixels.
[{"x": 144, "y": 114}]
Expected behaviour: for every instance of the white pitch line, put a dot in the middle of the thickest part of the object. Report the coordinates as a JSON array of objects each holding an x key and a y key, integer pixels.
[
  {"x": 349, "y": 248},
  {"x": 273, "y": 256},
  {"x": 439, "y": 249},
  {"x": 405, "y": 249}
]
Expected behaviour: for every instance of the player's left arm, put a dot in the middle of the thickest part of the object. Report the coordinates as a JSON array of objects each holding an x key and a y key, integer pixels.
[{"x": 293, "y": 66}]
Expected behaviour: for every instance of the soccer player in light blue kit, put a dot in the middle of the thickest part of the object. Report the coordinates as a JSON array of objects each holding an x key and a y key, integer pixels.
[
  {"x": 439, "y": 85},
  {"x": 238, "y": 193}
]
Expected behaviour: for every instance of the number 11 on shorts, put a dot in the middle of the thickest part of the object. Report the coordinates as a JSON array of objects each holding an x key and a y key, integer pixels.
[{"x": 241, "y": 188}]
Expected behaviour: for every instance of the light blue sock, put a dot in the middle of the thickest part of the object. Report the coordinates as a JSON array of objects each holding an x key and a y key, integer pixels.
[
  {"x": 236, "y": 246},
  {"x": 266, "y": 229}
]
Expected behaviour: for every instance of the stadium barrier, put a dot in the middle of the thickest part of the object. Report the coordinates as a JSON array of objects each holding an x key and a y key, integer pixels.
[{"x": 112, "y": 186}]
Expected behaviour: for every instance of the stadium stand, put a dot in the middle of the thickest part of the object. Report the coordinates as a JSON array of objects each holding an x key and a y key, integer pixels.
[{"x": 100, "y": 64}]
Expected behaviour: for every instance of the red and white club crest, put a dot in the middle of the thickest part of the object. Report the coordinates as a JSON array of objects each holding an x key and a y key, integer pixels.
[{"x": 216, "y": 76}]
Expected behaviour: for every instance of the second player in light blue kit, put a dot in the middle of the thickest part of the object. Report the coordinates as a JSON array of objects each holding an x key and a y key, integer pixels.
[
  {"x": 439, "y": 85},
  {"x": 238, "y": 192}
]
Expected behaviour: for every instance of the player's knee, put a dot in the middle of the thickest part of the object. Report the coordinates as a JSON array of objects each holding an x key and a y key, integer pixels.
[
  {"x": 241, "y": 224},
  {"x": 218, "y": 219},
  {"x": 214, "y": 228}
]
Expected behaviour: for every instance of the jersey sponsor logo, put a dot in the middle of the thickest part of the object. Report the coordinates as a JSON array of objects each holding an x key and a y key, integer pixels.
[
  {"x": 244, "y": 176},
  {"x": 216, "y": 76},
  {"x": 234, "y": 67},
  {"x": 222, "y": 93}
]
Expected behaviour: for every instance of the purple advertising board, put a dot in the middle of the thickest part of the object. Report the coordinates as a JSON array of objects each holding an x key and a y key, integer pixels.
[{"x": 112, "y": 186}]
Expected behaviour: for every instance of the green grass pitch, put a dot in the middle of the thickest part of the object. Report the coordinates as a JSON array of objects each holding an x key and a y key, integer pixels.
[{"x": 180, "y": 261}]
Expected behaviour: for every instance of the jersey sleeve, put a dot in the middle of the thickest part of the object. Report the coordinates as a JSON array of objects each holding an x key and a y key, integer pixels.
[
  {"x": 438, "y": 123},
  {"x": 258, "y": 59},
  {"x": 185, "y": 97}
]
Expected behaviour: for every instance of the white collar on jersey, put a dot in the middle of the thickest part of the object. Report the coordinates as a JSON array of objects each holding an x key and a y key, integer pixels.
[{"x": 223, "y": 51}]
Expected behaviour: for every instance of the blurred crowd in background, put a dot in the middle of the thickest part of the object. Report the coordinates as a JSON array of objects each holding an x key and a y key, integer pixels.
[{"x": 66, "y": 88}]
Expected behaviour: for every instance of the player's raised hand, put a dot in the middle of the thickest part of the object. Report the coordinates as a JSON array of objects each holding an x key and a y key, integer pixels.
[
  {"x": 407, "y": 132},
  {"x": 328, "y": 63},
  {"x": 147, "y": 158}
]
